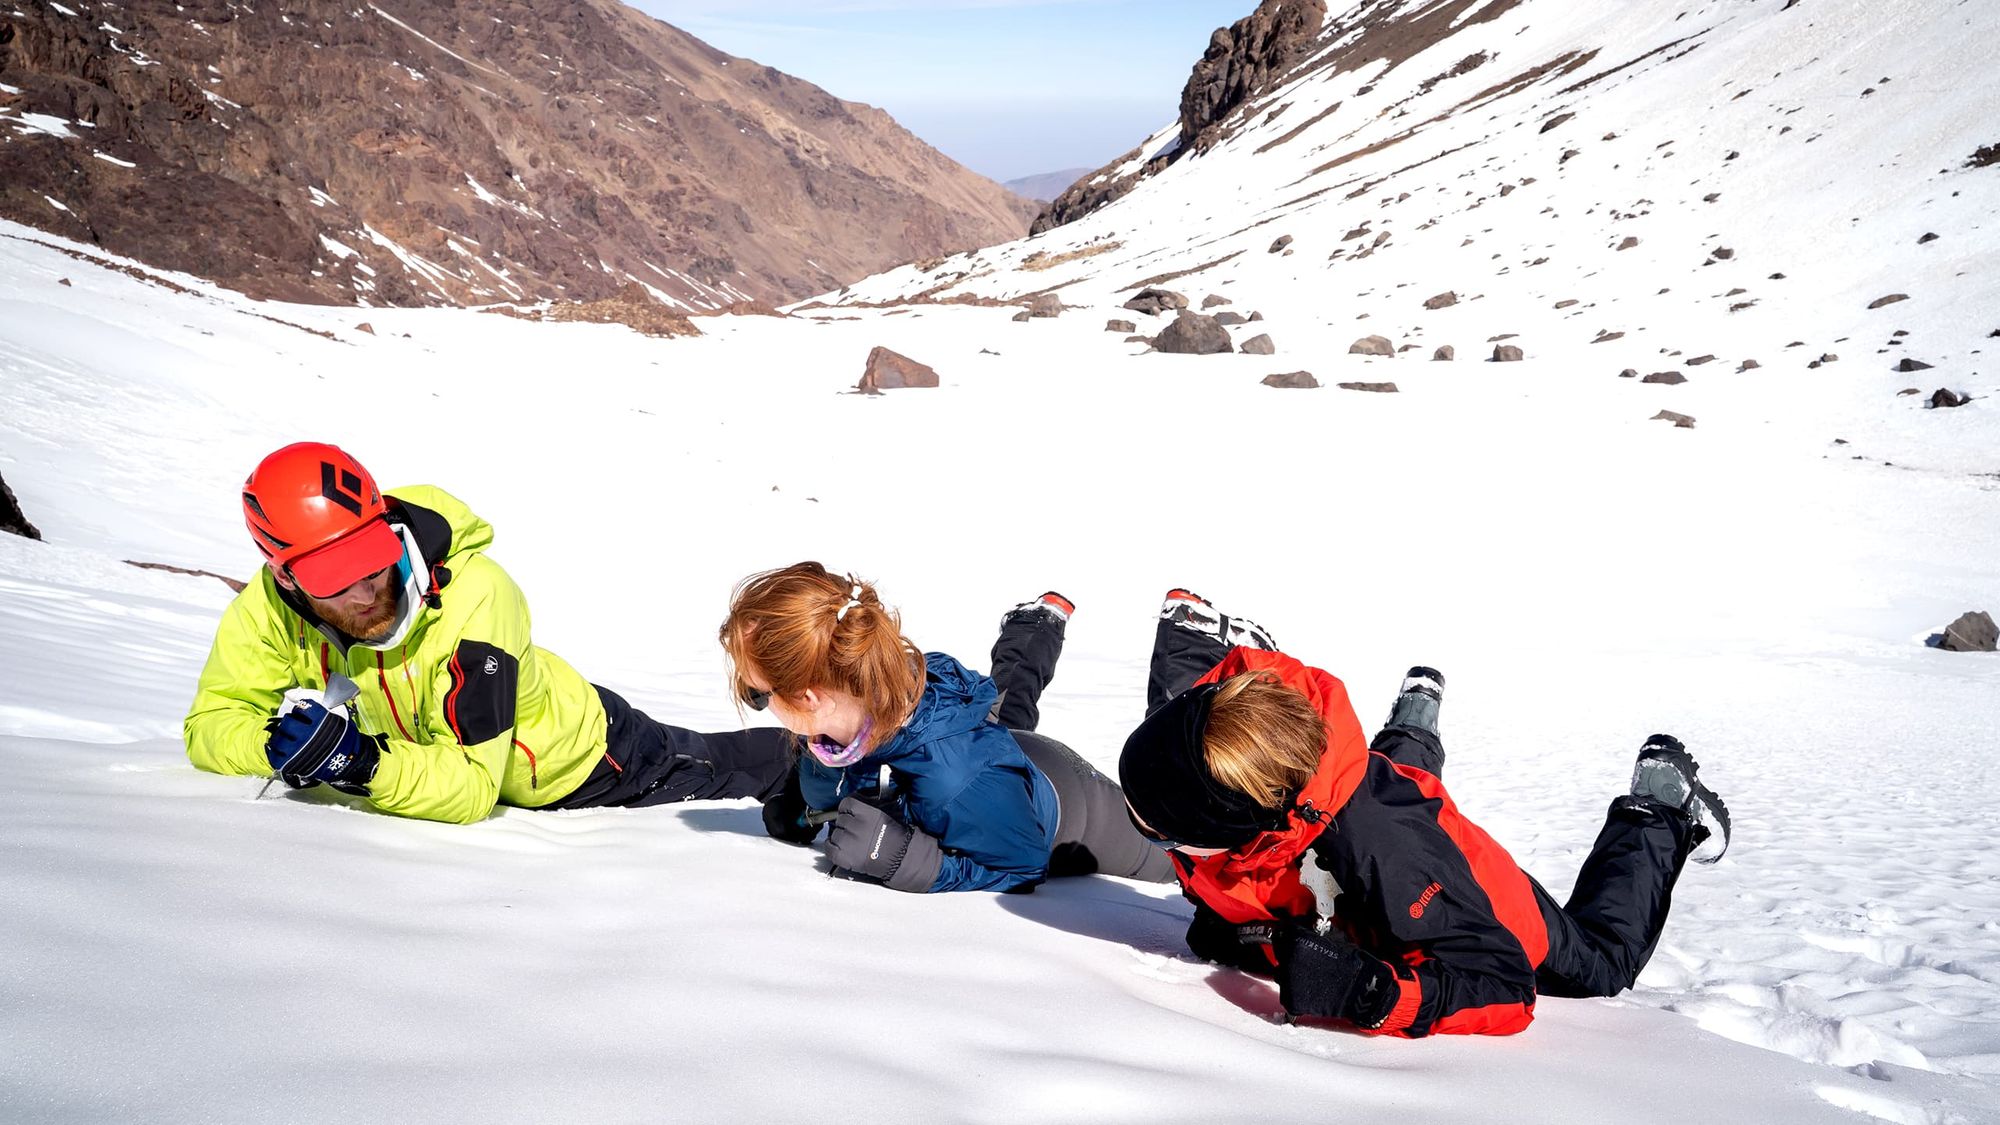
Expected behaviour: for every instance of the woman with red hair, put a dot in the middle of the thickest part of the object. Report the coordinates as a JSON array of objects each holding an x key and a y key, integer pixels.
[{"x": 927, "y": 774}]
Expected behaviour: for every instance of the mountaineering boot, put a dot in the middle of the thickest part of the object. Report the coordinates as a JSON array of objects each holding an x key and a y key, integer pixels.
[
  {"x": 1051, "y": 607},
  {"x": 1190, "y": 610},
  {"x": 1416, "y": 705},
  {"x": 1668, "y": 774}
]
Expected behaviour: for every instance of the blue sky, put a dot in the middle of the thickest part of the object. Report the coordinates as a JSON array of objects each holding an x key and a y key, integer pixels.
[{"x": 1008, "y": 88}]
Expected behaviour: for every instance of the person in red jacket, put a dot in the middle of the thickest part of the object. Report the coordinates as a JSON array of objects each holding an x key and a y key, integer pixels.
[{"x": 1343, "y": 869}]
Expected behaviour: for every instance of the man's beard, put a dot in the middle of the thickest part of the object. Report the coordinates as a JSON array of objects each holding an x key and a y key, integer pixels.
[{"x": 369, "y": 623}]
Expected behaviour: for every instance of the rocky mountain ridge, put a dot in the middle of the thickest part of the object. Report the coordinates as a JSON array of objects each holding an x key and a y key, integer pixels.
[
  {"x": 459, "y": 152},
  {"x": 1704, "y": 190}
]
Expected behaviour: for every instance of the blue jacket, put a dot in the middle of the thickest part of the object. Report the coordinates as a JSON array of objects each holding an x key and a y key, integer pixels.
[{"x": 960, "y": 777}]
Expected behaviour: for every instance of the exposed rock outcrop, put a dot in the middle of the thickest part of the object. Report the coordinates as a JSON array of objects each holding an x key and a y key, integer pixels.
[
  {"x": 12, "y": 520},
  {"x": 1153, "y": 302},
  {"x": 1242, "y": 59},
  {"x": 1292, "y": 380},
  {"x": 1193, "y": 334},
  {"x": 1972, "y": 632},
  {"x": 887, "y": 371}
]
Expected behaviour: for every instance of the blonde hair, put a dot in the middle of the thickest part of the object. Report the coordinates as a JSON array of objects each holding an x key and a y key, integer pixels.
[
  {"x": 804, "y": 627},
  {"x": 1262, "y": 739}
]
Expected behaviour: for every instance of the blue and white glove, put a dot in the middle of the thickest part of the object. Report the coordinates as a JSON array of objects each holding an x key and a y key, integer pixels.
[{"x": 310, "y": 744}]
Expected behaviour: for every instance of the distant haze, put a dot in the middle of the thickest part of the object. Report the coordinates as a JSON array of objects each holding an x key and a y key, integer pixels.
[
  {"x": 1006, "y": 88},
  {"x": 1048, "y": 185}
]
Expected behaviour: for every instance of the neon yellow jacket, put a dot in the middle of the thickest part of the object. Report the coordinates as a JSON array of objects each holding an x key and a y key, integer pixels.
[{"x": 457, "y": 740}]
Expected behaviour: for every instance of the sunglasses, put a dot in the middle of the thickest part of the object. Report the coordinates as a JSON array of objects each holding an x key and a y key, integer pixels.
[
  {"x": 1152, "y": 837},
  {"x": 754, "y": 698}
]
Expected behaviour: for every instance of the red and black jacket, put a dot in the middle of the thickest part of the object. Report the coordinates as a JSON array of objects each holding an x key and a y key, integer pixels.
[{"x": 1418, "y": 885}]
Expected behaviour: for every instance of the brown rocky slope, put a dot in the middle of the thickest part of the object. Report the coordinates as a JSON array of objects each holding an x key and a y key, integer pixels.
[{"x": 459, "y": 151}]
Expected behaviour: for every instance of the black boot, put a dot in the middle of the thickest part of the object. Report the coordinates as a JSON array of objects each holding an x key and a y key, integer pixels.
[
  {"x": 1668, "y": 775},
  {"x": 1416, "y": 706}
]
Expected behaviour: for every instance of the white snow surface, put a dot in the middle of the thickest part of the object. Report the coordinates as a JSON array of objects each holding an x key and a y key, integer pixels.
[{"x": 179, "y": 950}]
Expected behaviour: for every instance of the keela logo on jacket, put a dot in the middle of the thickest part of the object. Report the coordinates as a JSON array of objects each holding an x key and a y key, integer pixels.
[
  {"x": 1424, "y": 900},
  {"x": 492, "y": 665}
]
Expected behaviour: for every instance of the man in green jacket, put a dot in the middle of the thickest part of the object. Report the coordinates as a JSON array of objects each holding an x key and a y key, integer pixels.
[{"x": 423, "y": 690}]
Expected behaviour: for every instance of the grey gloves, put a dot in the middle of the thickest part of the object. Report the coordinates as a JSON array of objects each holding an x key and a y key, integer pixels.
[{"x": 870, "y": 842}]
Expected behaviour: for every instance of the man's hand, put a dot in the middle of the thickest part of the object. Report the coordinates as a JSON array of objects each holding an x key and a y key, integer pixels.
[
  {"x": 1328, "y": 976},
  {"x": 870, "y": 842},
  {"x": 310, "y": 744}
]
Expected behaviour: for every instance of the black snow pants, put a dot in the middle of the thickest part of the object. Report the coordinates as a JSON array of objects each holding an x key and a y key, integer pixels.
[
  {"x": 647, "y": 762},
  {"x": 1603, "y": 936},
  {"x": 1094, "y": 836}
]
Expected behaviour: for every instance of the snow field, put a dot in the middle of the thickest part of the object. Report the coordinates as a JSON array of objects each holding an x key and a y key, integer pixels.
[{"x": 1582, "y": 576}]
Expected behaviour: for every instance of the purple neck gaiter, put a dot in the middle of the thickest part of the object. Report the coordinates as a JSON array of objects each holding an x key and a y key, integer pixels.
[{"x": 831, "y": 753}]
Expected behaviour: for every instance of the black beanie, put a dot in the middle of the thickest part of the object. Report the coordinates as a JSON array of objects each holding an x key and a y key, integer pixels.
[{"x": 1164, "y": 771}]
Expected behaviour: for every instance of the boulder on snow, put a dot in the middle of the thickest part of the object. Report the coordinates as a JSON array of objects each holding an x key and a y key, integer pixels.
[
  {"x": 1372, "y": 345},
  {"x": 364, "y": 326},
  {"x": 1507, "y": 353},
  {"x": 1680, "y": 421},
  {"x": 1283, "y": 241},
  {"x": 1972, "y": 632},
  {"x": 1259, "y": 345},
  {"x": 1022, "y": 317},
  {"x": 1909, "y": 365},
  {"x": 1668, "y": 378},
  {"x": 1193, "y": 334},
  {"x": 1230, "y": 319},
  {"x": 12, "y": 520},
  {"x": 1292, "y": 380},
  {"x": 1045, "y": 306},
  {"x": 888, "y": 371},
  {"x": 1120, "y": 326},
  {"x": 1214, "y": 299},
  {"x": 1629, "y": 243},
  {"x": 1700, "y": 359},
  {"x": 1945, "y": 396},
  {"x": 1445, "y": 354},
  {"x": 1442, "y": 301},
  {"x": 1881, "y": 302},
  {"x": 1153, "y": 302},
  {"x": 1378, "y": 388},
  {"x": 1629, "y": 373}
]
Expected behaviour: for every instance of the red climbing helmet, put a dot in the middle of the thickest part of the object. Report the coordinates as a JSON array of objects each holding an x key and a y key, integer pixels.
[{"x": 318, "y": 517}]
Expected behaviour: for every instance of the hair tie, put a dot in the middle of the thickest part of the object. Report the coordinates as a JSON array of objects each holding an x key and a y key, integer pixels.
[{"x": 853, "y": 599}]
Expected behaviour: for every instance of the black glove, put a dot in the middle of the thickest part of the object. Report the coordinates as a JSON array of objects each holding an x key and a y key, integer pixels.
[
  {"x": 869, "y": 842},
  {"x": 1214, "y": 938},
  {"x": 1328, "y": 976},
  {"x": 310, "y": 744},
  {"x": 786, "y": 815}
]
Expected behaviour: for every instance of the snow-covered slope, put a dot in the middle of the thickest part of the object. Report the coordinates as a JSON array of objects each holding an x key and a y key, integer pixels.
[
  {"x": 177, "y": 949},
  {"x": 1606, "y": 184}
]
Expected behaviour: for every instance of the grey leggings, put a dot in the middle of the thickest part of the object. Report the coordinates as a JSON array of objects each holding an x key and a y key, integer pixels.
[{"x": 1094, "y": 836}]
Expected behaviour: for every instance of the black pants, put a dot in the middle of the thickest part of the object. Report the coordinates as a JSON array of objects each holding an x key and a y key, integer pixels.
[
  {"x": 1094, "y": 836},
  {"x": 1604, "y": 935},
  {"x": 647, "y": 762}
]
